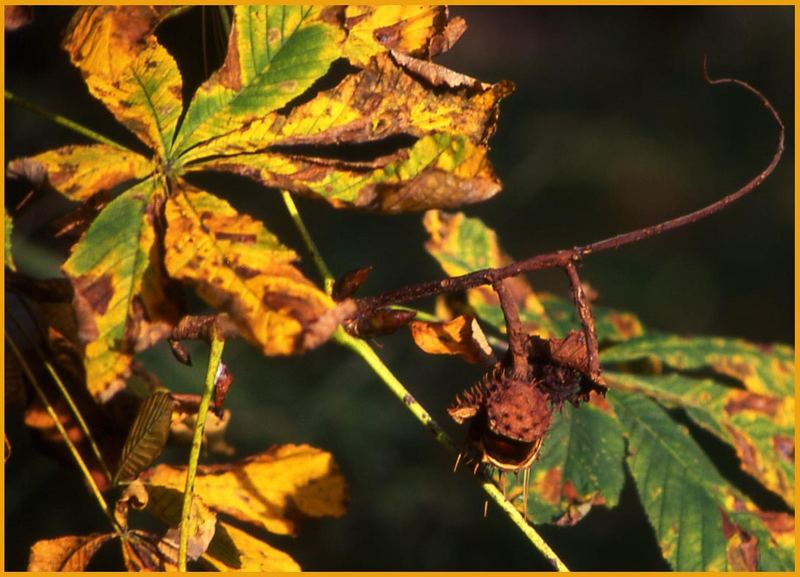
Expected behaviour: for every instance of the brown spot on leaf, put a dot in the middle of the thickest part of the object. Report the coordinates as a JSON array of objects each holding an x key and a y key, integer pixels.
[
  {"x": 733, "y": 368},
  {"x": 747, "y": 453},
  {"x": 245, "y": 272},
  {"x": 753, "y": 402},
  {"x": 784, "y": 446},
  {"x": 95, "y": 293},
  {"x": 236, "y": 237},
  {"x": 550, "y": 486},
  {"x": 742, "y": 548},
  {"x": 626, "y": 325}
]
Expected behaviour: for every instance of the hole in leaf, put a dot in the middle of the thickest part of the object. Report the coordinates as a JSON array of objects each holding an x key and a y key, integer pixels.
[
  {"x": 353, "y": 152},
  {"x": 338, "y": 71}
]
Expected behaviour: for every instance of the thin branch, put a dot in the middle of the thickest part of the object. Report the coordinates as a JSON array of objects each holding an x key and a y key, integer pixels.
[
  {"x": 68, "y": 398},
  {"x": 324, "y": 271},
  {"x": 214, "y": 363},
  {"x": 362, "y": 349},
  {"x": 587, "y": 321},
  {"x": 517, "y": 337},
  {"x": 98, "y": 495},
  {"x": 561, "y": 258},
  {"x": 63, "y": 121}
]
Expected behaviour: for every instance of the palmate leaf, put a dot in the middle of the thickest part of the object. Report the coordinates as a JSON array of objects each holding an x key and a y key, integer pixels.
[
  {"x": 701, "y": 521},
  {"x": 235, "y": 122},
  {"x": 260, "y": 115}
]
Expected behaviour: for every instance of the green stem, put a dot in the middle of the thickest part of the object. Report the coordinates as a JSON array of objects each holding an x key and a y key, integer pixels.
[
  {"x": 214, "y": 360},
  {"x": 362, "y": 349},
  {"x": 63, "y": 121},
  {"x": 70, "y": 445},
  {"x": 327, "y": 277},
  {"x": 67, "y": 397}
]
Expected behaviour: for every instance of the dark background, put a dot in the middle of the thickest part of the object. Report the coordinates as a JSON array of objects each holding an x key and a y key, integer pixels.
[{"x": 611, "y": 128}]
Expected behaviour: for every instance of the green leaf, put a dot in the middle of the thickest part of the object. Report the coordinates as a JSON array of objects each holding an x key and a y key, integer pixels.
[
  {"x": 760, "y": 427},
  {"x": 8, "y": 257},
  {"x": 763, "y": 369},
  {"x": 580, "y": 465},
  {"x": 147, "y": 436},
  {"x": 700, "y": 521},
  {"x": 275, "y": 53}
]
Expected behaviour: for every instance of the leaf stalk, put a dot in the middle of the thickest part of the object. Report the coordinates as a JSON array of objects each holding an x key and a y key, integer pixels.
[{"x": 214, "y": 362}]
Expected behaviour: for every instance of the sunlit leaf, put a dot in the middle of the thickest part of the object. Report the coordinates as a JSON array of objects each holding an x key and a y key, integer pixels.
[
  {"x": 147, "y": 436},
  {"x": 240, "y": 551},
  {"x": 143, "y": 551},
  {"x": 760, "y": 427},
  {"x": 119, "y": 301},
  {"x": 71, "y": 553},
  {"x": 242, "y": 120},
  {"x": 462, "y": 336},
  {"x": 126, "y": 68},
  {"x": 274, "y": 54},
  {"x": 273, "y": 489},
  {"x": 238, "y": 266},
  {"x": 580, "y": 466},
  {"x": 167, "y": 504},
  {"x": 8, "y": 256},
  {"x": 701, "y": 522},
  {"x": 763, "y": 369},
  {"x": 374, "y": 29},
  {"x": 80, "y": 172}
]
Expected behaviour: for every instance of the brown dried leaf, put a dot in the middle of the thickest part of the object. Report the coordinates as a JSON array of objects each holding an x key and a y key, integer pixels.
[
  {"x": 72, "y": 553},
  {"x": 461, "y": 336}
]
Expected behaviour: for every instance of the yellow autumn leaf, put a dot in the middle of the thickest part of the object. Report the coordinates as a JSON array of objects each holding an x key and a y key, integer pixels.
[
  {"x": 126, "y": 68},
  {"x": 80, "y": 172},
  {"x": 405, "y": 28},
  {"x": 238, "y": 266},
  {"x": 243, "y": 552},
  {"x": 273, "y": 489},
  {"x": 461, "y": 336},
  {"x": 71, "y": 553}
]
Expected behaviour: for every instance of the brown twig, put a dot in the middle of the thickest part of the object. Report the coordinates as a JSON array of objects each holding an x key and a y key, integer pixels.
[
  {"x": 587, "y": 321},
  {"x": 562, "y": 258},
  {"x": 517, "y": 336}
]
